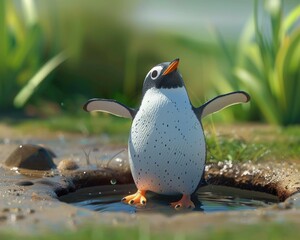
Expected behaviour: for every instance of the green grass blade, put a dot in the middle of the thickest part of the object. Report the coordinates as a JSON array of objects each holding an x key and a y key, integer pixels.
[
  {"x": 245, "y": 41},
  {"x": 291, "y": 70},
  {"x": 18, "y": 33},
  {"x": 274, "y": 8},
  {"x": 3, "y": 36},
  {"x": 262, "y": 43},
  {"x": 3, "y": 49},
  {"x": 258, "y": 92},
  {"x": 30, "y": 12},
  {"x": 26, "y": 47},
  {"x": 228, "y": 54},
  {"x": 290, "y": 19},
  {"x": 253, "y": 61},
  {"x": 23, "y": 96}
]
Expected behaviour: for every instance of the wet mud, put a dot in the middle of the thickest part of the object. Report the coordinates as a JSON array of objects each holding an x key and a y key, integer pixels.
[{"x": 279, "y": 179}]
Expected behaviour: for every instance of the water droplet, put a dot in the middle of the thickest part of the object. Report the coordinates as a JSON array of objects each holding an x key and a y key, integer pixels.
[
  {"x": 113, "y": 181},
  {"x": 119, "y": 160},
  {"x": 16, "y": 170}
]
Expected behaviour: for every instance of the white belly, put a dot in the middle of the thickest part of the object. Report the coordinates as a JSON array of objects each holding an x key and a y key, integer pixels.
[{"x": 166, "y": 143}]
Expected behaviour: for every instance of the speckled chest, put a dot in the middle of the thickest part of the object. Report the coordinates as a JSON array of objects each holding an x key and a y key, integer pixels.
[{"x": 166, "y": 143}]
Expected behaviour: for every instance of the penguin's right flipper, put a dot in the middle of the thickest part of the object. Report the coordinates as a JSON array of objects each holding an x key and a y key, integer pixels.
[
  {"x": 110, "y": 106},
  {"x": 220, "y": 102}
]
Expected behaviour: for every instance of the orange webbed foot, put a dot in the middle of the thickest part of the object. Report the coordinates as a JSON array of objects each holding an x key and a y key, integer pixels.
[
  {"x": 137, "y": 198},
  {"x": 184, "y": 202}
]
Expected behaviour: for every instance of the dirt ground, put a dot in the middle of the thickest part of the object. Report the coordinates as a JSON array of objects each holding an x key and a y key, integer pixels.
[{"x": 29, "y": 203}]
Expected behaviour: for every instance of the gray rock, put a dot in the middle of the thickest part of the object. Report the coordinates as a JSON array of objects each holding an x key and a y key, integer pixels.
[{"x": 31, "y": 157}]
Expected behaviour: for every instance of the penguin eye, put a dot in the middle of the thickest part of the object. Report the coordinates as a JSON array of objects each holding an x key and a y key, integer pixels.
[{"x": 155, "y": 72}]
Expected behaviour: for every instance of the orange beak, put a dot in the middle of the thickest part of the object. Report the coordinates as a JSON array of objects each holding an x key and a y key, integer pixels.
[{"x": 172, "y": 67}]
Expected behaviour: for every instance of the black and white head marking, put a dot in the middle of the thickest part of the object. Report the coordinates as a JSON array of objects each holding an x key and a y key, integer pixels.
[{"x": 163, "y": 75}]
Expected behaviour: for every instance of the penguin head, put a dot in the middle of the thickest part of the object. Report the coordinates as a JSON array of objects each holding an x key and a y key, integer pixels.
[{"x": 163, "y": 75}]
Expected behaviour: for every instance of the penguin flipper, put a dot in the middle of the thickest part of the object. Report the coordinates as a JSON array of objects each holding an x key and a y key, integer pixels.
[
  {"x": 220, "y": 102},
  {"x": 110, "y": 106}
]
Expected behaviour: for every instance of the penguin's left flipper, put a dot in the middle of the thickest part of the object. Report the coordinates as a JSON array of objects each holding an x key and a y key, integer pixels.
[
  {"x": 220, "y": 102},
  {"x": 110, "y": 106}
]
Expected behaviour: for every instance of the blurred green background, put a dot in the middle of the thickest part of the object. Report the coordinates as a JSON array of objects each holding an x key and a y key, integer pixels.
[{"x": 55, "y": 55}]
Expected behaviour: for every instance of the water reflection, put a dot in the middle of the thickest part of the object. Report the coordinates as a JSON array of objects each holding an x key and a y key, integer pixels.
[{"x": 207, "y": 199}]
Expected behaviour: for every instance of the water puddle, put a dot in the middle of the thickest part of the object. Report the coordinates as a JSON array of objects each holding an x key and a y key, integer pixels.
[{"x": 208, "y": 199}]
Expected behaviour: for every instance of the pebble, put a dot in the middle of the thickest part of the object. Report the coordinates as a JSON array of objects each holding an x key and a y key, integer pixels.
[{"x": 67, "y": 164}]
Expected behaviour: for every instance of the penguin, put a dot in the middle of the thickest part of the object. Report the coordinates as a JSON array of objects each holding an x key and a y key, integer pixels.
[{"x": 166, "y": 145}]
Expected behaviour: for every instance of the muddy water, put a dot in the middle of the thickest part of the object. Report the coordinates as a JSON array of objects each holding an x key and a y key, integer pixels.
[{"x": 208, "y": 199}]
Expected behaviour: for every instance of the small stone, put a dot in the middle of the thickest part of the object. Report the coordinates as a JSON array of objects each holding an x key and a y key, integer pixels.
[
  {"x": 30, "y": 211},
  {"x": 67, "y": 164},
  {"x": 32, "y": 157},
  {"x": 15, "y": 210},
  {"x": 36, "y": 197},
  {"x": 16, "y": 217}
]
